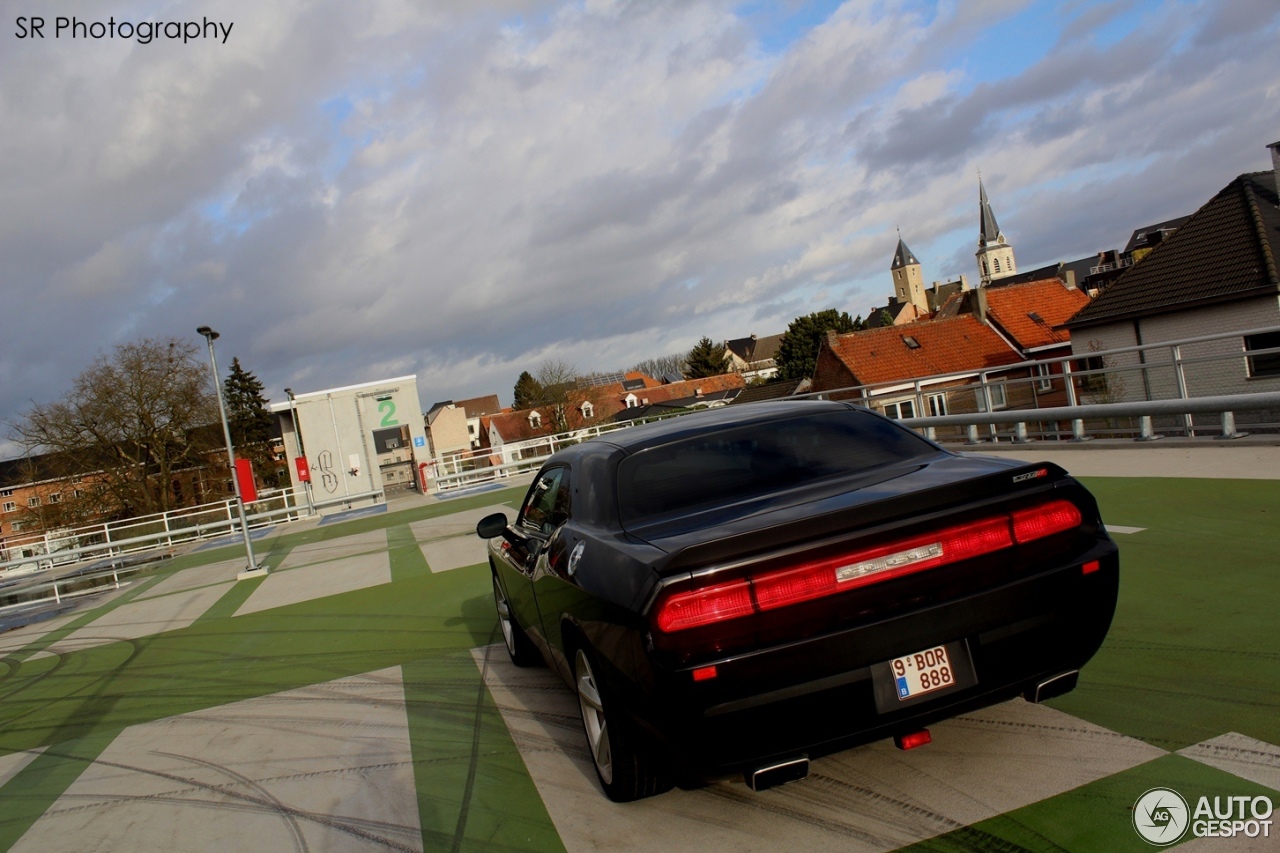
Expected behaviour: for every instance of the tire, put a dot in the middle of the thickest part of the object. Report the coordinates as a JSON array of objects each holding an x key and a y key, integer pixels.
[
  {"x": 519, "y": 646},
  {"x": 626, "y": 771}
]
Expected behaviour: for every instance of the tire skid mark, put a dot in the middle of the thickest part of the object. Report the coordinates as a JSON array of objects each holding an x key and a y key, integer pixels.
[
  {"x": 263, "y": 802},
  {"x": 278, "y": 807}
]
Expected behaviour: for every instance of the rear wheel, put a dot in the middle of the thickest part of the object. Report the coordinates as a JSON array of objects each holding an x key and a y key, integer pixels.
[
  {"x": 625, "y": 771},
  {"x": 519, "y": 646}
]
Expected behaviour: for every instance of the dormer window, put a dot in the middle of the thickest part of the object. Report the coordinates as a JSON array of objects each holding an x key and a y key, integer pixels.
[
  {"x": 588, "y": 410},
  {"x": 631, "y": 401},
  {"x": 535, "y": 420}
]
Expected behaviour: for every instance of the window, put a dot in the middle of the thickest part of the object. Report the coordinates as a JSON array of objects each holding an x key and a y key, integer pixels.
[
  {"x": 1263, "y": 365},
  {"x": 901, "y": 409},
  {"x": 732, "y": 466},
  {"x": 1095, "y": 381},
  {"x": 588, "y": 410},
  {"x": 1044, "y": 383},
  {"x": 547, "y": 506},
  {"x": 55, "y": 498},
  {"x": 937, "y": 404},
  {"x": 33, "y": 501},
  {"x": 996, "y": 263},
  {"x": 631, "y": 401},
  {"x": 998, "y": 399},
  {"x": 6, "y": 493},
  {"x": 10, "y": 506},
  {"x": 535, "y": 420},
  {"x": 77, "y": 493}
]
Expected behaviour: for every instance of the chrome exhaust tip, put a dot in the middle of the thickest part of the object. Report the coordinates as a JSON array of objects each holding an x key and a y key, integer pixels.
[
  {"x": 1062, "y": 683},
  {"x": 773, "y": 775}
]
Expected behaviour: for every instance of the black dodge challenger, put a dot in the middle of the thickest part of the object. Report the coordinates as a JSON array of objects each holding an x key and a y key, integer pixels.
[{"x": 738, "y": 590}]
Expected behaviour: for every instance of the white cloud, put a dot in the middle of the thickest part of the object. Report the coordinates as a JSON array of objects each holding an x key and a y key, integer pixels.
[{"x": 457, "y": 190}]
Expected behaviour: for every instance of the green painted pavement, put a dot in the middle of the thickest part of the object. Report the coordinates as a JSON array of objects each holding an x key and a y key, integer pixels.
[{"x": 1191, "y": 655}]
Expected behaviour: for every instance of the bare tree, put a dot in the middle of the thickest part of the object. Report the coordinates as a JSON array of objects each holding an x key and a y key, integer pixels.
[
  {"x": 133, "y": 424},
  {"x": 661, "y": 366},
  {"x": 559, "y": 389}
]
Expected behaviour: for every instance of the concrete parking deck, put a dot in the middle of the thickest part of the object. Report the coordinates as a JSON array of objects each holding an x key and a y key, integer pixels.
[{"x": 358, "y": 697}]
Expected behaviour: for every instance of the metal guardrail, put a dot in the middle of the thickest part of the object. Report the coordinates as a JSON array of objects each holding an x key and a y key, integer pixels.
[
  {"x": 1225, "y": 406},
  {"x": 17, "y": 598},
  {"x": 173, "y": 534}
]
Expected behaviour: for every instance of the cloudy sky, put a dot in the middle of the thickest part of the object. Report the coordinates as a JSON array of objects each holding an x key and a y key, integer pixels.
[{"x": 462, "y": 190}]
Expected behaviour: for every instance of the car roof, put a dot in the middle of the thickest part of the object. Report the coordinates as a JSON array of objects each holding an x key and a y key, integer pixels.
[{"x": 637, "y": 438}]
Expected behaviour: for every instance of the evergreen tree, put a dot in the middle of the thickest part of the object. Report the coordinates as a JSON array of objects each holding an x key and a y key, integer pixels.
[
  {"x": 527, "y": 392},
  {"x": 798, "y": 352},
  {"x": 251, "y": 422},
  {"x": 705, "y": 359}
]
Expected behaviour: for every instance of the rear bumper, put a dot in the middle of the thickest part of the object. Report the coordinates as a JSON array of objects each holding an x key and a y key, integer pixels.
[{"x": 818, "y": 696}]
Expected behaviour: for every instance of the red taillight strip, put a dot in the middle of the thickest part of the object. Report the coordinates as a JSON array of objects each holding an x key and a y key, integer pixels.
[{"x": 819, "y": 578}]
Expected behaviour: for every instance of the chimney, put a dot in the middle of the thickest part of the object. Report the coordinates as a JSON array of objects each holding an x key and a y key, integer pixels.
[
  {"x": 980, "y": 302},
  {"x": 1071, "y": 280},
  {"x": 1275, "y": 164}
]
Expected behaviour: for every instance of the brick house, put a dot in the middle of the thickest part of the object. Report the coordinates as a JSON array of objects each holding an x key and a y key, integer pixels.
[{"x": 890, "y": 359}]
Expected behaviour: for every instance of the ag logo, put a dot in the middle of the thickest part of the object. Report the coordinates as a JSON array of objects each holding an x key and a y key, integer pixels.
[{"x": 1160, "y": 816}]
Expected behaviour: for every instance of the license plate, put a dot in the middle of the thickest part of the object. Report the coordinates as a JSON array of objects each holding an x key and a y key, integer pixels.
[{"x": 922, "y": 672}]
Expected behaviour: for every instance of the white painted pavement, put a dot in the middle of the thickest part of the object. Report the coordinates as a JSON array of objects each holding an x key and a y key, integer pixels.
[
  {"x": 871, "y": 798},
  {"x": 141, "y": 618},
  {"x": 450, "y": 542},
  {"x": 11, "y": 765},
  {"x": 196, "y": 577},
  {"x": 1242, "y": 756},
  {"x": 325, "y": 767},
  {"x": 323, "y": 569}
]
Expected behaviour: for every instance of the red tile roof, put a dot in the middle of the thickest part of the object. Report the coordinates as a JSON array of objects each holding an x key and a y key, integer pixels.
[
  {"x": 945, "y": 346},
  {"x": 1011, "y": 307},
  {"x": 606, "y": 401}
]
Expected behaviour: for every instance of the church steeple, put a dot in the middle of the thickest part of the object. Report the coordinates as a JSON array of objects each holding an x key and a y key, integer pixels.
[
  {"x": 903, "y": 256},
  {"x": 995, "y": 256},
  {"x": 908, "y": 280}
]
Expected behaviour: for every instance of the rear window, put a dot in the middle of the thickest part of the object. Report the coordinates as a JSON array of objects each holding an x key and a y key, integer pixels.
[{"x": 741, "y": 463}]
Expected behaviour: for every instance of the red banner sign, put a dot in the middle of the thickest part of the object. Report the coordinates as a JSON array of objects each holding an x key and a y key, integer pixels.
[{"x": 244, "y": 476}]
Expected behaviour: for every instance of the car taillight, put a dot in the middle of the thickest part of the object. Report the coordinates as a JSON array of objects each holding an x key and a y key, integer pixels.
[
  {"x": 814, "y": 579},
  {"x": 1045, "y": 520}
]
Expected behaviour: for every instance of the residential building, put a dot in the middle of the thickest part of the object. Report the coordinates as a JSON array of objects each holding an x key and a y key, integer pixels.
[
  {"x": 477, "y": 408},
  {"x": 446, "y": 427},
  {"x": 511, "y": 432},
  {"x": 885, "y": 364},
  {"x": 753, "y": 357},
  {"x": 1216, "y": 273}
]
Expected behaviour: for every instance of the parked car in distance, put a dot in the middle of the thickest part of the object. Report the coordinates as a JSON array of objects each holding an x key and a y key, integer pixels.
[{"x": 742, "y": 589}]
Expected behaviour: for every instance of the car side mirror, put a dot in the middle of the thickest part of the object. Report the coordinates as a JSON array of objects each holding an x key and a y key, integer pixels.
[{"x": 491, "y": 525}]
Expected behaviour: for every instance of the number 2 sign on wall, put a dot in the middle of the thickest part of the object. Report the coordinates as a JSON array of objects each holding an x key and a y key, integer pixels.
[{"x": 388, "y": 410}]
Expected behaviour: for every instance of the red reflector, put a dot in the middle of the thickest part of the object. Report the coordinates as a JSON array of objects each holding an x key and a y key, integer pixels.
[
  {"x": 1091, "y": 567},
  {"x": 704, "y": 673},
  {"x": 911, "y": 741},
  {"x": 1045, "y": 520}
]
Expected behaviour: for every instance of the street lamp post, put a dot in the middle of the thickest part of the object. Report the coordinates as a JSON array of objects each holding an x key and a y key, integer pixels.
[
  {"x": 253, "y": 570},
  {"x": 297, "y": 434}
]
